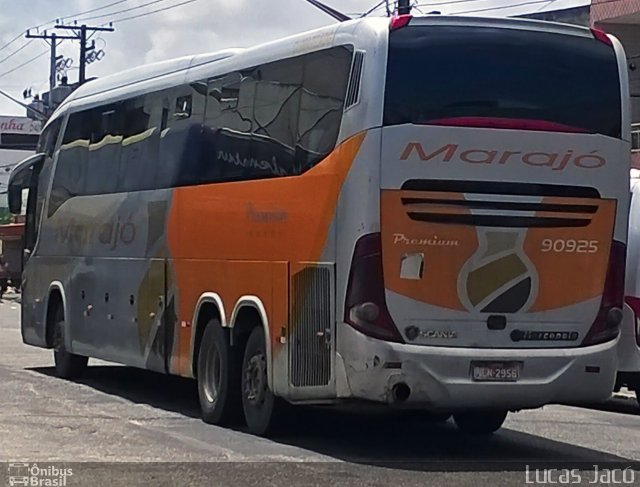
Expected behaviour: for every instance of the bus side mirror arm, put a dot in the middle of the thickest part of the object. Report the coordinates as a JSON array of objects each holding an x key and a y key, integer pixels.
[{"x": 15, "y": 199}]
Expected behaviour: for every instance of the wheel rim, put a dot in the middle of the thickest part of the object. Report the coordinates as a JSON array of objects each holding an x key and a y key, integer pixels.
[
  {"x": 212, "y": 375},
  {"x": 255, "y": 380}
]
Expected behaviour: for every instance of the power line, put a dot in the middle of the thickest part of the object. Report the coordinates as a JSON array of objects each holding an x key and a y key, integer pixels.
[
  {"x": 53, "y": 21},
  {"x": 373, "y": 9},
  {"x": 25, "y": 63},
  {"x": 97, "y": 9},
  {"x": 489, "y": 9},
  {"x": 449, "y": 2},
  {"x": 153, "y": 11},
  {"x": 545, "y": 6},
  {"x": 330, "y": 11},
  {"x": 15, "y": 52},
  {"x": 73, "y": 16},
  {"x": 19, "y": 36},
  {"x": 456, "y": 2},
  {"x": 117, "y": 12}
]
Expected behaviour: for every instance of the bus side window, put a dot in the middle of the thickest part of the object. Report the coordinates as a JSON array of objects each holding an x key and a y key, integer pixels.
[
  {"x": 140, "y": 144},
  {"x": 277, "y": 113},
  {"x": 33, "y": 199},
  {"x": 274, "y": 120},
  {"x": 179, "y": 144},
  {"x": 70, "y": 173},
  {"x": 104, "y": 151},
  {"x": 228, "y": 124},
  {"x": 326, "y": 77},
  {"x": 39, "y": 183},
  {"x": 49, "y": 137}
]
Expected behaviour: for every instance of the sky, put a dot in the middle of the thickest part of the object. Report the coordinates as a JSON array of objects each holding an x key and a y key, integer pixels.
[{"x": 153, "y": 30}]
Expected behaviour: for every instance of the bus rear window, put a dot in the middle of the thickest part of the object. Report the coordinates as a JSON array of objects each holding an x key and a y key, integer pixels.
[{"x": 485, "y": 76}]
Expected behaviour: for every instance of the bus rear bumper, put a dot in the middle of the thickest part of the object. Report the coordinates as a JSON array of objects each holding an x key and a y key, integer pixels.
[{"x": 439, "y": 378}]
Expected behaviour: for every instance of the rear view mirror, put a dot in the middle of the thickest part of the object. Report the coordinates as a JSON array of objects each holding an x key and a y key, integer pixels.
[{"x": 21, "y": 178}]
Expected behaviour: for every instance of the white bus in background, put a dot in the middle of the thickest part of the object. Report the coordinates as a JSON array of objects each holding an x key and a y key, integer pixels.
[
  {"x": 629, "y": 346},
  {"x": 429, "y": 213}
]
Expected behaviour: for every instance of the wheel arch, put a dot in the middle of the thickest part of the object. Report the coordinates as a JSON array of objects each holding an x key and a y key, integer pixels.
[
  {"x": 249, "y": 312},
  {"x": 55, "y": 294},
  {"x": 209, "y": 306}
]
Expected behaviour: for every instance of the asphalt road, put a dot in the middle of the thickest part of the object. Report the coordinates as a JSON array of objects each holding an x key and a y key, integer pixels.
[{"x": 118, "y": 414}]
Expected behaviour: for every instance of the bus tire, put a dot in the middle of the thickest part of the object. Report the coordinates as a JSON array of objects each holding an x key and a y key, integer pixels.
[
  {"x": 480, "y": 422},
  {"x": 263, "y": 411},
  {"x": 218, "y": 377},
  {"x": 68, "y": 365}
]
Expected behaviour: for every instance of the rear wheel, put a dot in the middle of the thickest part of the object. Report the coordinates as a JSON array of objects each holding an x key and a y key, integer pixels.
[
  {"x": 263, "y": 411},
  {"x": 218, "y": 373},
  {"x": 68, "y": 365},
  {"x": 480, "y": 422}
]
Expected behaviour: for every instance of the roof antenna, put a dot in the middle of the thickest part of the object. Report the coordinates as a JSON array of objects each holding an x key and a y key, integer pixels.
[{"x": 330, "y": 11}]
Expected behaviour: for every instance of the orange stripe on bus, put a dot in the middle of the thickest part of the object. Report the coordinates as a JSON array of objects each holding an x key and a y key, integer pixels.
[{"x": 237, "y": 239}]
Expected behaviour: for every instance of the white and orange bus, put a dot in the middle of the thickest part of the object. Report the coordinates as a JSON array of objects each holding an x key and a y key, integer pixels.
[{"x": 428, "y": 213}]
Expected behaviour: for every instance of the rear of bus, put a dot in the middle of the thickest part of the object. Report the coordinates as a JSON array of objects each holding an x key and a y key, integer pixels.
[{"x": 496, "y": 279}]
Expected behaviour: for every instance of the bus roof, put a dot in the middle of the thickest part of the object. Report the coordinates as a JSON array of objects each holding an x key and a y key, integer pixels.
[{"x": 359, "y": 31}]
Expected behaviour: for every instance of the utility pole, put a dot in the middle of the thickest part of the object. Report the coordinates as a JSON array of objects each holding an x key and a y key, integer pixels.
[
  {"x": 404, "y": 7},
  {"x": 388, "y": 8},
  {"x": 80, "y": 32},
  {"x": 52, "y": 64},
  {"x": 52, "y": 40}
]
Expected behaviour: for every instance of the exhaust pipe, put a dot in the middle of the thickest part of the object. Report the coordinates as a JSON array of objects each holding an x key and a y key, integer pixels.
[{"x": 400, "y": 392}]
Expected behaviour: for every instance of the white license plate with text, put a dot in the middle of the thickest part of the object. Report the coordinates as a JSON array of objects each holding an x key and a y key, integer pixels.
[{"x": 495, "y": 371}]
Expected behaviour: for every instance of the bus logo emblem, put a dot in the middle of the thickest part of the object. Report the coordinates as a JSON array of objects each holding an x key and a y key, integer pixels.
[{"x": 498, "y": 278}]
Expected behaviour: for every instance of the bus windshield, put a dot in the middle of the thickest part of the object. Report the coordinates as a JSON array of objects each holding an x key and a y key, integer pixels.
[{"x": 503, "y": 78}]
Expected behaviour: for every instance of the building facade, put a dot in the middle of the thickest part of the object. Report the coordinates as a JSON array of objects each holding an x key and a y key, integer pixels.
[
  {"x": 622, "y": 19},
  {"x": 18, "y": 140},
  {"x": 574, "y": 15}
]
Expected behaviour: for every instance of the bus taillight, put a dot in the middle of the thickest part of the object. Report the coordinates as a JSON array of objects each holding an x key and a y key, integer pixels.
[
  {"x": 607, "y": 324},
  {"x": 365, "y": 304},
  {"x": 400, "y": 21},
  {"x": 602, "y": 36}
]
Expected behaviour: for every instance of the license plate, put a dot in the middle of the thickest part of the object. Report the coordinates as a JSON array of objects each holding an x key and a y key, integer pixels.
[{"x": 495, "y": 371}]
